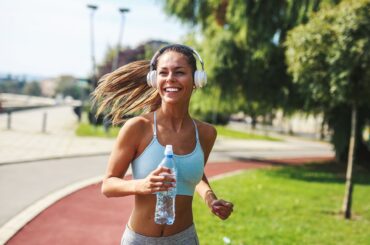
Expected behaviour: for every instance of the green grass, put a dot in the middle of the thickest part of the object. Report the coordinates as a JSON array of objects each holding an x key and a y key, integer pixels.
[
  {"x": 289, "y": 205},
  {"x": 231, "y": 133},
  {"x": 86, "y": 129}
]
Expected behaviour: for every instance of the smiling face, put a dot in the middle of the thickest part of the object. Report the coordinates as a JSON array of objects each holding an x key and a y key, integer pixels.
[{"x": 174, "y": 77}]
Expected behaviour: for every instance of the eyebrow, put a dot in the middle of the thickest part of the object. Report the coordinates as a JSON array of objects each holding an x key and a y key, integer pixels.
[{"x": 176, "y": 68}]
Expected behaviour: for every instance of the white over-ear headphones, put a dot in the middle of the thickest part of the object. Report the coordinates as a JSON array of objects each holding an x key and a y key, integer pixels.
[{"x": 200, "y": 76}]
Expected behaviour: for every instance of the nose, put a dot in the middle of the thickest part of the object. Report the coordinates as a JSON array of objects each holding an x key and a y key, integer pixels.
[{"x": 170, "y": 77}]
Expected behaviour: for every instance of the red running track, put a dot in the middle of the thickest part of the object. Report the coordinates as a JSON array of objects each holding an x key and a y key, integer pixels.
[{"x": 87, "y": 217}]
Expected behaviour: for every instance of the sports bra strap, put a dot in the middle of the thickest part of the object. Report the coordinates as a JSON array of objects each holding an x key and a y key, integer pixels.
[
  {"x": 196, "y": 130},
  {"x": 155, "y": 127}
]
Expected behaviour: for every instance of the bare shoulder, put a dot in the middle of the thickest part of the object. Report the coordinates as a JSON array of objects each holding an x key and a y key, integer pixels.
[
  {"x": 206, "y": 130},
  {"x": 135, "y": 129},
  {"x": 207, "y": 136}
]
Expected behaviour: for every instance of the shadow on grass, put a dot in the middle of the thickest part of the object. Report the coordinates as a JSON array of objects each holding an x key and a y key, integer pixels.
[{"x": 324, "y": 172}]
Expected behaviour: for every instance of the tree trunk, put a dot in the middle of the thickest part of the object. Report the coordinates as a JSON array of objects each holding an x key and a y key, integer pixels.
[
  {"x": 322, "y": 128},
  {"x": 347, "y": 202},
  {"x": 254, "y": 121}
]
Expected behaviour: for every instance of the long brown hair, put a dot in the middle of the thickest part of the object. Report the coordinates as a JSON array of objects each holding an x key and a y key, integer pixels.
[{"x": 125, "y": 91}]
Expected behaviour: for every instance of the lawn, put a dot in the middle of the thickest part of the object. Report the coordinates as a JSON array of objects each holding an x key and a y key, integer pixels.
[
  {"x": 86, "y": 129},
  {"x": 236, "y": 134},
  {"x": 287, "y": 205}
]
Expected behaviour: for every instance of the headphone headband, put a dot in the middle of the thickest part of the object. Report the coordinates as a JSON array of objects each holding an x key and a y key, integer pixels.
[{"x": 161, "y": 51}]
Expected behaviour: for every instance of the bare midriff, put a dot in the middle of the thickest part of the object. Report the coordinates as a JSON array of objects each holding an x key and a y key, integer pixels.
[{"x": 142, "y": 217}]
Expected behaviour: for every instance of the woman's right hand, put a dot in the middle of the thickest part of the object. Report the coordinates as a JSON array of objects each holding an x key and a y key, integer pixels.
[{"x": 159, "y": 179}]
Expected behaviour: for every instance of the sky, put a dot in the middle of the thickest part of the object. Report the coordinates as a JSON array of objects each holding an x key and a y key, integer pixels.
[{"x": 49, "y": 38}]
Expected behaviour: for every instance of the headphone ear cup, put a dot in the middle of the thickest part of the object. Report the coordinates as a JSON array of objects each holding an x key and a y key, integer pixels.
[
  {"x": 200, "y": 79},
  {"x": 151, "y": 79}
]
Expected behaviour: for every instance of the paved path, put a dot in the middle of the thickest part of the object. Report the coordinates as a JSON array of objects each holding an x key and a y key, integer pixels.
[
  {"x": 25, "y": 183},
  {"x": 87, "y": 217},
  {"x": 26, "y": 141}
]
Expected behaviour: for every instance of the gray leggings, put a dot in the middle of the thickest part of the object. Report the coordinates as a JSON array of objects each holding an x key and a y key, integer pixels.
[{"x": 186, "y": 237}]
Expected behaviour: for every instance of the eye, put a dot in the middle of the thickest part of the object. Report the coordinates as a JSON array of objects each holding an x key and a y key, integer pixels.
[{"x": 180, "y": 72}]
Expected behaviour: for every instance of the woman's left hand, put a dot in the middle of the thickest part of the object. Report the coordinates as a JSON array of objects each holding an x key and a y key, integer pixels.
[{"x": 222, "y": 208}]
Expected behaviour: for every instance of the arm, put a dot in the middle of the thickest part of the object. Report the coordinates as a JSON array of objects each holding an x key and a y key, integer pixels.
[
  {"x": 124, "y": 151},
  {"x": 219, "y": 207}
]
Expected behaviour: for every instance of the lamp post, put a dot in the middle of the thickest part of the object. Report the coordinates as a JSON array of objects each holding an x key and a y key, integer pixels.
[
  {"x": 116, "y": 58},
  {"x": 92, "y": 8}
]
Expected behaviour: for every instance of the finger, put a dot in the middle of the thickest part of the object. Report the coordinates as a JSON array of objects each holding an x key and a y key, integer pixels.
[
  {"x": 158, "y": 189},
  {"x": 161, "y": 169},
  {"x": 219, "y": 202},
  {"x": 223, "y": 215},
  {"x": 220, "y": 215},
  {"x": 226, "y": 203},
  {"x": 162, "y": 178},
  {"x": 224, "y": 211},
  {"x": 227, "y": 208},
  {"x": 215, "y": 208},
  {"x": 168, "y": 177},
  {"x": 229, "y": 204},
  {"x": 165, "y": 185}
]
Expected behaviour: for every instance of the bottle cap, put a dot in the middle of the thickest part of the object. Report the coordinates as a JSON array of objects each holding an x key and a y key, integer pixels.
[{"x": 168, "y": 151}]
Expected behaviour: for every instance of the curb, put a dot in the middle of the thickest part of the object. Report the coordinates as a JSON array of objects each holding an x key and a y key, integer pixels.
[
  {"x": 55, "y": 158},
  {"x": 10, "y": 228},
  {"x": 229, "y": 174}
]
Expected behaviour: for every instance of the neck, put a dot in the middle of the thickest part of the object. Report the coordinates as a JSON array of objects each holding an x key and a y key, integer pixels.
[{"x": 173, "y": 116}]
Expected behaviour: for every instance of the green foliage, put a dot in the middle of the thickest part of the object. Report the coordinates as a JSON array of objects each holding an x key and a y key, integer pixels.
[
  {"x": 329, "y": 56},
  {"x": 329, "y": 59},
  {"x": 69, "y": 86},
  {"x": 32, "y": 88},
  {"x": 208, "y": 102},
  {"x": 290, "y": 205},
  {"x": 241, "y": 44},
  {"x": 12, "y": 86}
]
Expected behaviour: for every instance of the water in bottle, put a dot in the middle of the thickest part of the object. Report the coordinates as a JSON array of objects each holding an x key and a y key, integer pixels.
[{"x": 165, "y": 206}]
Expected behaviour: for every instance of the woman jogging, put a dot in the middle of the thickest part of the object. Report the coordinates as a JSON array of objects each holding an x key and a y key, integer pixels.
[{"x": 163, "y": 89}]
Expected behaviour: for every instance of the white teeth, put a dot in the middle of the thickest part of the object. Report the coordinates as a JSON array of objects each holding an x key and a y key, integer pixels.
[{"x": 171, "y": 89}]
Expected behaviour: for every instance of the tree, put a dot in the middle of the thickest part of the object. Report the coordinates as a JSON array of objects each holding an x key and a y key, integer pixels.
[
  {"x": 68, "y": 86},
  {"x": 32, "y": 88},
  {"x": 11, "y": 84},
  {"x": 329, "y": 58},
  {"x": 242, "y": 44},
  {"x": 127, "y": 55}
]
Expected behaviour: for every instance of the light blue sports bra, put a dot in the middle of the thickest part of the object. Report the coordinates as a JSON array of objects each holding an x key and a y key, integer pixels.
[{"x": 190, "y": 167}]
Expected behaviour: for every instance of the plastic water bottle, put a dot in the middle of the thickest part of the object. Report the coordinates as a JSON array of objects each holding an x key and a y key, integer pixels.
[{"x": 165, "y": 206}]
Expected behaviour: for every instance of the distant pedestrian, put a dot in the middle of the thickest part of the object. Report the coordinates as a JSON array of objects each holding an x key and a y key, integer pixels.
[
  {"x": 78, "y": 111},
  {"x": 161, "y": 91}
]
